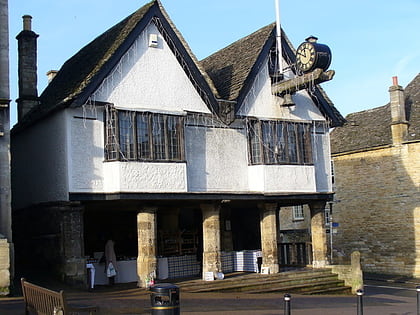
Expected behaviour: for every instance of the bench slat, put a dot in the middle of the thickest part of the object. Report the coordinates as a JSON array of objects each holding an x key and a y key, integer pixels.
[{"x": 43, "y": 301}]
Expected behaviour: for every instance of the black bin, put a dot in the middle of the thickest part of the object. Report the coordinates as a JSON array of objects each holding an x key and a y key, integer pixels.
[{"x": 165, "y": 299}]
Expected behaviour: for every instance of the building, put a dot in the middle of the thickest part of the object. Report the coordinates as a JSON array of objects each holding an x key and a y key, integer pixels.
[
  {"x": 6, "y": 244},
  {"x": 185, "y": 163},
  {"x": 377, "y": 176}
]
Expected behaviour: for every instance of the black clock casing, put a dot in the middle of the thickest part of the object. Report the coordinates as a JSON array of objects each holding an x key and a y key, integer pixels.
[{"x": 311, "y": 55}]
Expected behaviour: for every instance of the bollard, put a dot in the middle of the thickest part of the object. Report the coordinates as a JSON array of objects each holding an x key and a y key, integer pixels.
[
  {"x": 418, "y": 299},
  {"x": 359, "y": 302},
  {"x": 287, "y": 298}
]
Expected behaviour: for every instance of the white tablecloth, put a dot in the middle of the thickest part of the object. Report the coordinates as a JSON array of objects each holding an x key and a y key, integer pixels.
[{"x": 126, "y": 272}]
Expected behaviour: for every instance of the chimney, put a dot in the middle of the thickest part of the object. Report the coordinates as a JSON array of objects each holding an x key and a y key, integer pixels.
[
  {"x": 399, "y": 124},
  {"x": 27, "y": 68},
  {"x": 51, "y": 75}
]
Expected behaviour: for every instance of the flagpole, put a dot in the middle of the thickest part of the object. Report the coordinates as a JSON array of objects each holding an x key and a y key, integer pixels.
[{"x": 278, "y": 36}]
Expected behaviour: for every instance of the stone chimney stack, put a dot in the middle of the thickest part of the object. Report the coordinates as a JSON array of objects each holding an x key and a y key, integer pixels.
[
  {"x": 51, "y": 75},
  {"x": 399, "y": 125},
  {"x": 27, "y": 68}
]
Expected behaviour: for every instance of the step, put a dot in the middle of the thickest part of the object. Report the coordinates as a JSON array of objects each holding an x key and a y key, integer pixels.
[
  {"x": 254, "y": 278},
  {"x": 263, "y": 283},
  {"x": 319, "y": 281}
]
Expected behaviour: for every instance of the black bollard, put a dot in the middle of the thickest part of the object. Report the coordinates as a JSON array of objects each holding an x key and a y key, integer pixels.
[
  {"x": 418, "y": 299},
  {"x": 287, "y": 298},
  {"x": 359, "y": 302}
]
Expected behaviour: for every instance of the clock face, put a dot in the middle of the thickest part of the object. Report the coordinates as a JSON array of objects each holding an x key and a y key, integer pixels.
[{"x": 305, "y": 56}]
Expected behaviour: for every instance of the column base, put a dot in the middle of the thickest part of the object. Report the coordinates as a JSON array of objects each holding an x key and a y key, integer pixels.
[
  {"x": 273, "y": 268},
  {"x": 320, "y": 264}
]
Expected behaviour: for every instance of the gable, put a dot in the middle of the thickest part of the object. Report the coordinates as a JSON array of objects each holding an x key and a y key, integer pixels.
[
  {"x": 83, "y": 73},
  {"x": 149, "y": 78},
  {"x": 260, "y": 102},
  {"x": 236, "y": 69},
  {"x": 222, "y": 80}
]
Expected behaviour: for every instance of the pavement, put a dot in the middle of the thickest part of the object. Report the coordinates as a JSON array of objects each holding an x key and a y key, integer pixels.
[{"x": 383, "y": 295}]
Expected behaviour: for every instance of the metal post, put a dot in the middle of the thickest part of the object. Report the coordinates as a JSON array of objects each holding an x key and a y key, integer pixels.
[
  {"x": 287, "y": 298},
  {"x": 418, "y": 299},
  {"x": 359, "y": 302},
  {"x": 331, "y": 232}
]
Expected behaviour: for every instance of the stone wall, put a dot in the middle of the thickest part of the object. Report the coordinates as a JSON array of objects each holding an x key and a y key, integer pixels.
[
  {"x": 378, "y": 208},
  {"x": 4, "y": 267}
]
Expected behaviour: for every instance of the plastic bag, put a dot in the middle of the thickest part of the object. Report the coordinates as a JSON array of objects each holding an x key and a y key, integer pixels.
[{"x": 110, "y": 271}]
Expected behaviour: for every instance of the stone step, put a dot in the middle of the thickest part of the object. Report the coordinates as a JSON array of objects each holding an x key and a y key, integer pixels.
[
  {"x": 309, "y": 281},
  {"x": 265, "y": 286},
  {"x": 243, "y": 278}
]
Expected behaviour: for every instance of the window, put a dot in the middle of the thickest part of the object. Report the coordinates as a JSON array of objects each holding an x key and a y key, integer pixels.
[
  {"x": 143, "y": 136},
  {"x": 279, "y": 142},
  {"x": 298, "y": 214}
]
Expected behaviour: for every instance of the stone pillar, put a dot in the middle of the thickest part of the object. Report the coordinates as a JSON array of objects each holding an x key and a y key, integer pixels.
[
  {"x": 6, "y": 246},
  {"x": 4, "y": 267},
  {"x": 319, "y": 236},
  {"x": 146, "y": 231},
  {"x": 212, "y": 261},
  {"x": 268, "y": 223},
  {"x": 74, "y": 264}
]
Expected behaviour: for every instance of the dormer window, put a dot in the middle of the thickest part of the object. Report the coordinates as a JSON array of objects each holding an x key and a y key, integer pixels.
[{"x": 143, "y": 136}]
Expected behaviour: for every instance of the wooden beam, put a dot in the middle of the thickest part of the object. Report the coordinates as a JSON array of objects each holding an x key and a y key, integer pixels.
[{"x": 302, "y": 82}]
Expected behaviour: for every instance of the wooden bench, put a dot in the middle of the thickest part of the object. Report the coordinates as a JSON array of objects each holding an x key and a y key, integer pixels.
[{"x": 42, "y": 301}]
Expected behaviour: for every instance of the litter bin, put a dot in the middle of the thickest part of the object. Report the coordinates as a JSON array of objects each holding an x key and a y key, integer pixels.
[{"x": 165, "y": 299}]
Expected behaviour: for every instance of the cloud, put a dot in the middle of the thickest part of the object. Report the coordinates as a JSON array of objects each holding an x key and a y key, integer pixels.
[{"x": 403, "y": 64}]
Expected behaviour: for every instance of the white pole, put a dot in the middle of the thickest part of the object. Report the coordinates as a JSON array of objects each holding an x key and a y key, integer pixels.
[{"x": 278, "y": 36}]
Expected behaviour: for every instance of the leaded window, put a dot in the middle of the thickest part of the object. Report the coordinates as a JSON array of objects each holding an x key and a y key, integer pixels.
[
  {"x": 279, "y": 142},
  {"x": 143, "y": 136}
]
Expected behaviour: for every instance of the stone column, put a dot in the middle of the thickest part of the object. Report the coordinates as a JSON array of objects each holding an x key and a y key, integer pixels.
[
  {"x": 269, "y": 236},
  {"x": 73, "y": 244},
  {"x": 319, "y": 236},
  {"x": 146, "y": 231},
  {"x": 4, "y": 267},
  {"x": 212, "y": 261}
]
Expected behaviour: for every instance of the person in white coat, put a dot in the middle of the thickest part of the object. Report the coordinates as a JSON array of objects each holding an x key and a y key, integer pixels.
[{"x": 110, "y": 258}]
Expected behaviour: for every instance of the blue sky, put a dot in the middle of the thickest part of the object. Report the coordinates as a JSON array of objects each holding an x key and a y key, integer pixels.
[{"x": 371, "y": 40}]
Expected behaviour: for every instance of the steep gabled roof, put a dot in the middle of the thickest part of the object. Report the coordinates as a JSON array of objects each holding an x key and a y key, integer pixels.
[
  {"x": 372, "y": 128},
  {"x": 226, "y": 75},
  {"x": 81, "y": 74},
  {"x": 230, "y": 67},
  {"x": 234, "y": 68}
]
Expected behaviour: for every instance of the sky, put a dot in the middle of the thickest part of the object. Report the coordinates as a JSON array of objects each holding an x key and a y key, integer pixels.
[{"x": 371, "y": 40}]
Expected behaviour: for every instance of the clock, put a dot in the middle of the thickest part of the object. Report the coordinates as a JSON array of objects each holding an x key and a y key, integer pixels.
[{"x": 311, "y": 55}]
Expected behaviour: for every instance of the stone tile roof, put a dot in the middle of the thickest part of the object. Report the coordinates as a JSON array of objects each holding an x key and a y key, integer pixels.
[
  {"x": 82, "y": 73},
  {"x": 225, "y": 75},
  {"x": 372, "y": 128},
  {"x": 231, "y": 66},
  {"x": 234, "y": 68}
]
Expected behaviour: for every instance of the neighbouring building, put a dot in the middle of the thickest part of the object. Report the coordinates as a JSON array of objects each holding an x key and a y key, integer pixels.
[
  {"x": 6, "y": 245},
  {"x": 184, "y": 163},
  {"x": 376, "y": 157}
]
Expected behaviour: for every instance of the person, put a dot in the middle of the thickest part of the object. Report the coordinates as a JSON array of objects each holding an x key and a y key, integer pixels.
[{"x": 110, "y": 258}]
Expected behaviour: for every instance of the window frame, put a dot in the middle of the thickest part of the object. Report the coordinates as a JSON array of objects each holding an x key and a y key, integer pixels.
[
  {"x": 277, "y": 142},
  {"x": 146, "y": 126},
  {"x": 298, "y": 213}
]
